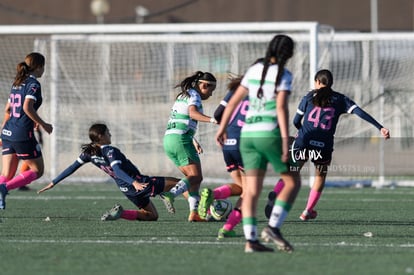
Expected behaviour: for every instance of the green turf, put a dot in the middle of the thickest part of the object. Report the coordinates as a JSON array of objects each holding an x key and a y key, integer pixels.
[{"x": 75, "y": 241}]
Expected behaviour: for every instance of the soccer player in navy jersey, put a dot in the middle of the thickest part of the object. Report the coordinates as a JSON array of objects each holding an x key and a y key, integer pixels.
[
  {"x": 17, "y": 134},
  {"x": 316, "y": 119},
  {"x": 138, "y": 188}
]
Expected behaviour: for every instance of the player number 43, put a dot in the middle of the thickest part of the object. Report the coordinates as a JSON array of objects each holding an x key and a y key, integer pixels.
[{"x": 322, "y": 117}]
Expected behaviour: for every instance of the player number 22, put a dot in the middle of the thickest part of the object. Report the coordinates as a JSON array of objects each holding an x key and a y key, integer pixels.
[{"x": 15, "y": 104}]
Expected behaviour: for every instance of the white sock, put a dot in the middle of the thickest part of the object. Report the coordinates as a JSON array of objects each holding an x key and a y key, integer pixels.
[
  {"x": 250, "y": 232},
  {"x": 278, "y": 216},
  {"x": 193, "y": 202},
  {"x": 179, "y": 188}
]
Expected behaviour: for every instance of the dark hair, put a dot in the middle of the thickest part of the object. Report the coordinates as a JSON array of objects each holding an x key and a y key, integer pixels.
[
  {"x": 31, "y": 62},
  {"x": 281, "y": 48},
  {"x": 322, "y": 96},
  {"x": 192, "y": 81},
  {"x": 234, "y": 82},
  {"x": 96, "y": 131}
]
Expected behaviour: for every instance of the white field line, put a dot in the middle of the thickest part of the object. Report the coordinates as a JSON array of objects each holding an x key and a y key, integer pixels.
[
  {"x": 185, "y": 243},
  {"x": 326, "y": 198}
]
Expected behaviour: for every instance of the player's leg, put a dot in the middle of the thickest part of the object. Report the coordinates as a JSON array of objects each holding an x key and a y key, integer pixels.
[
  {"x": 24, "y": 167},
  {"x": 144, "y": 213},
  {"x": 173, "y": 187},
  {"x": 9, "y": 166},
  {"x": 234, "y": 165},
  {"x": 271, "y": 197},
  {"x": 280, "y": 211},
  {"x": 284, "y": 200},
  {"x": 33, "y": 157},
  {"x": 232, "y": 221},
  {"x": 193, "y": 173},
  {"x": 36, "y": 171},
  {"x": 321, "y": 171}
]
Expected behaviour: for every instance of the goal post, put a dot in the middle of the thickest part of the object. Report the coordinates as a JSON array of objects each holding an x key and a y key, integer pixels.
[{"x": 123, "y": 75}]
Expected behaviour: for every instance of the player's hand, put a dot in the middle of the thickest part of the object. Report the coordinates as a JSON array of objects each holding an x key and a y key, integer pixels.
[
  {"x": 48, "y": 128},
  {"x": 385, "y": 133},
  {"x": 221, "y": 138},
  {"x": 139, "y": 186},
  {"x": 49, "y": 186},
  {"x": 197, "y": 146}
]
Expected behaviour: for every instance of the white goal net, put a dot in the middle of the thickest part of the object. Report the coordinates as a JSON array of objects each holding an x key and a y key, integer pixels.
[{"x": 123, "y": 75}]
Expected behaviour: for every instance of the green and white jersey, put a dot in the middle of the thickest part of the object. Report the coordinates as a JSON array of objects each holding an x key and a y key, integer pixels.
[
  {"x": 261, "y": 116},
  {"x": 180, "y": 122}
]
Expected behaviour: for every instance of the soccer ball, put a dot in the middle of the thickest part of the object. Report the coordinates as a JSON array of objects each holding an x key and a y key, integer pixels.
[{"x": 220, "y": 209}]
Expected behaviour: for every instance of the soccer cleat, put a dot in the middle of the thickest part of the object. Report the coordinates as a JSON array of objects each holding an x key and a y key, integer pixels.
[
  {"x": 273, "y": 234},
  {"x": 270, "y": 203},
  {"x": 3, "y": 193},
  {"x": 308, "y": 215},
  {"x": 168, "y": 200},
  {"x": 194, "y": 217},
  {"x": 256, "y": 246},
  {"x": 205, "y": 201},
  {"x": 113, "y": 214},
  {"x": 223, "y": 233}
]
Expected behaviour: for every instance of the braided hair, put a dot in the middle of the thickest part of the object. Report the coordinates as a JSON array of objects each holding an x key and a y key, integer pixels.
[
  {"x": 322, "y": 96},
  {"x": 191, "y": 82},
  {"x": 281, "y": 48}
]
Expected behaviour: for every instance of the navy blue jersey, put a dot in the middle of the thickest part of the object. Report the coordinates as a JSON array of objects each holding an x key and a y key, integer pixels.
[
  {"x": 237, "y": 118},
  {"x": 319, "y": 123},
  {"x": 20, "y": 127},
  {"x": 231, "y": 152},
  {"x": 113, "y": 162}
]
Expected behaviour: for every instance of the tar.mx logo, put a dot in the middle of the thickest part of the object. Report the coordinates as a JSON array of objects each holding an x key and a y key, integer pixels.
[{"x": 298, "y": 154}]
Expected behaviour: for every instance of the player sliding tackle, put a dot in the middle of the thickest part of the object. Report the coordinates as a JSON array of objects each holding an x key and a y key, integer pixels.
[{"x": 138, "y": 188}]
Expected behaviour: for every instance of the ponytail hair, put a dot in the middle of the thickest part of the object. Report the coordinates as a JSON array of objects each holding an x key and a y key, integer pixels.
[
  {"x": 322, "y": 96},
  {"x": 234, "y": 82},
  {"x": 191, "y": 82},
  {"x": 24, "y": 69},
  {"x": 96, "y": 131},
  {"x": 281, "y": 48}
]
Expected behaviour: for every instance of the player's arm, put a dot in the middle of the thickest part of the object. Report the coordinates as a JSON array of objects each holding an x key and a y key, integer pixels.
[
  {"x": 6, "y": 114},
  {"x": 65, "y": 173},
  {"x": 197, "y": 146},
  {"x": 297, "y": 121},
  {"x": 240, "y": 93},
  {"x": 282, "y": 110},
  {"x": 6, "y": 117},
  {"x": 218, "y": 113},
  {"x": 32, "y": 114},
  {"x": 196, "y": 115},
  {"x": 367, "y": 117},
  {"x": 120, "y": 174}
]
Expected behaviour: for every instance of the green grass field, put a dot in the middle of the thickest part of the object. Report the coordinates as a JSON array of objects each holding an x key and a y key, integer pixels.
[{"x": 75, "y": 241}]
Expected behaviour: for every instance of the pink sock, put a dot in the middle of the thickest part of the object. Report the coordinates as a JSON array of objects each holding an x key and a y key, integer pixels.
[
  {"x": 3, "y": 179},
  {"x": 131, "y": 215},
  {"x": 279, "y": 186},
  {"x": 22, "y": 179},
  {"x": 233, "y": 220},
  {"x": 222, "y": 192},
  {"x": 313, "y": 199}
]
